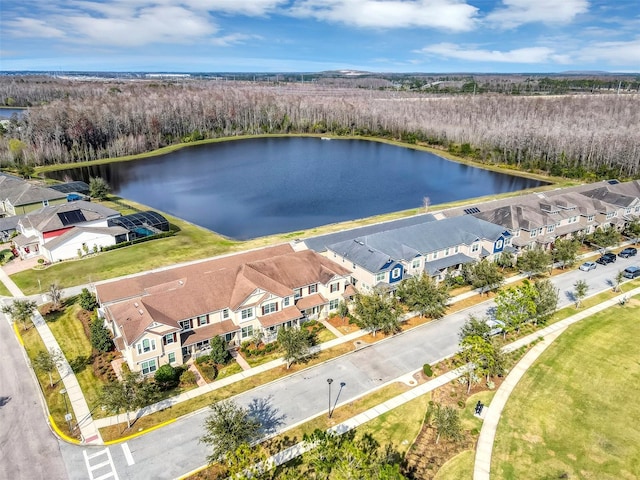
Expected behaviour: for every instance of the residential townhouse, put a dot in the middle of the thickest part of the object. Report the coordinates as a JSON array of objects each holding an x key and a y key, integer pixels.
[
  {"x": 382, "y": 259},
  {"x": 538, "y": 219},
  {"x": 167, "y": 316}
]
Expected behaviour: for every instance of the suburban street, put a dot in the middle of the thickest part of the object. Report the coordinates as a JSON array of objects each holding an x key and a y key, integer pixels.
[
  {"x": 28, "y": 448},
  {"x": 174, "y": 449}
]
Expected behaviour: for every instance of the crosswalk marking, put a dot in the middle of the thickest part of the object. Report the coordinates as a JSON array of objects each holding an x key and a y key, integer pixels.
[
  {"x": 102, "y": 463},
  {"x": 127, "y": 454}
]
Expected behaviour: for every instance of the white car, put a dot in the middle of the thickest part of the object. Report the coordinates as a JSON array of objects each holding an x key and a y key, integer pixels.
[
  {"x": 586, "y": 266},
  {"x": 496, "y": 326}
]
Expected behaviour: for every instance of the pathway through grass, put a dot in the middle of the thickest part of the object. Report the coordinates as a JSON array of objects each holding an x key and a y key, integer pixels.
[{"x": 575, "y": 412}]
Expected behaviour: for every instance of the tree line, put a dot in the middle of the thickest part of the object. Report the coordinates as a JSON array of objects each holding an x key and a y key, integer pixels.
[{"x": 576, "y": 136}]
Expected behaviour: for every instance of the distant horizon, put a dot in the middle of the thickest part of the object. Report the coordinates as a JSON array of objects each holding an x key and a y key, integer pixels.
[
  {"x": 271, "y": 36},
  {"x": 320, "y": 72}
]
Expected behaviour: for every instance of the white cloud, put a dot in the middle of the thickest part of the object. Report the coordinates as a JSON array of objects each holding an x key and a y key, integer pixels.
[
  {"x": 144, "y": 26},
  {"x": 241, "y": 7},
  {"x": 232, "y": 39},
  {"x": 518, "y": 12},
  {"x": 32, "y": 27},
  {"x": 611, "y": 53},
  {"x": 454, "y": 15},
  {"x": 530, "y": 55}
]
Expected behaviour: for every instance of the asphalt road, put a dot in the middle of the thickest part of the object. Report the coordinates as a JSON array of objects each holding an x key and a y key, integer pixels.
[
  {"x": 174, "y": 450},
  {"x": 28, "y": 448}
]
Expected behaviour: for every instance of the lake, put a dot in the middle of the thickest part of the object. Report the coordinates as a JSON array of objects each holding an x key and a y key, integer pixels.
[
  {"x": 254, "y": 187},
  {"x": 7, "y": 112}
]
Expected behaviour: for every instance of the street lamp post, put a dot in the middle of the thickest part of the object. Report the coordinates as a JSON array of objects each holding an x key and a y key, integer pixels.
[
  {"x": 67, "y": 415},
  {"x": 329, "y": 381}
]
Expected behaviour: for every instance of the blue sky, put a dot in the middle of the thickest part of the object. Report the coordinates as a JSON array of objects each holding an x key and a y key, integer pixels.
[{"x": 317, "y": 35}]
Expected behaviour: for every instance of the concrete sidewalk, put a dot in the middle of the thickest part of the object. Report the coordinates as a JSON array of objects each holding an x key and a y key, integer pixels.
[
  {"x": 484, "y": 449},
  {"x": 81, "y": 412}
]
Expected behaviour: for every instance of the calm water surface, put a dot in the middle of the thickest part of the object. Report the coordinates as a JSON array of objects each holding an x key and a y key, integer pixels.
[
  {"x": 250, "y": 188},
  {"x": 7, "y": 112}
]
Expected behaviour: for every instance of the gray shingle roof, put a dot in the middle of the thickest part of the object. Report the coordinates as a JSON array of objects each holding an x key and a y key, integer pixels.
[
  {"x": 321, "y": 242},
  {"x": 55, "y": 217},
  {"x": 436, "y": 265},
  {"x": 374, "y": 252}
]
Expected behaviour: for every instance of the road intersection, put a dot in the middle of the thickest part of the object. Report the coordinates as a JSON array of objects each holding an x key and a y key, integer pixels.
[{"x": 174, "y": 449}]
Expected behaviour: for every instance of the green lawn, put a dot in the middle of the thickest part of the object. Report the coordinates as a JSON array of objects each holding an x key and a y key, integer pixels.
[
  {"x": 67, "y": 329},
  {"x": 459, "y": 467},
  {"x": 575, "y": 413}
]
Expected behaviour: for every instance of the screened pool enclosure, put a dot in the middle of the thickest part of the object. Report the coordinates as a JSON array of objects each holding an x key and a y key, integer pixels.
[{"x": 141, "y": 224}]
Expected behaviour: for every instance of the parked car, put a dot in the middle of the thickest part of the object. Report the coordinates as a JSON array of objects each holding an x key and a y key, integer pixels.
[
  {"x": 607, "y": 258},
  {"x": 586, "y": 266},
  {"x": 628, "y": 252},
  {"x": 496, "y": 326},
  {"x": 631, "y": 272}
]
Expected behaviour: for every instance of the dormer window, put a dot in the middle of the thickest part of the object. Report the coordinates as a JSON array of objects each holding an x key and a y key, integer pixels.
[{"x": 381, "y": 277}]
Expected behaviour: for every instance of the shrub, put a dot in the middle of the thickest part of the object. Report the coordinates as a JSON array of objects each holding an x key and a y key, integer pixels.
[
  {"x": 188, "y": 378},
  {"x": 219, "y": 353},
  {"x": 166, "y": 377},
  {"x": 461, "y": 403},
  {"x": 87, "y": 300},
  {"x": 491, "y": 385},
  {"x": 427, "y": 370},
  {"x": 100, "y": 337},
  {"x": 203, "y": 359},
  {"x": 79, "y": 363},
  {"x": 40, "y": 261}
]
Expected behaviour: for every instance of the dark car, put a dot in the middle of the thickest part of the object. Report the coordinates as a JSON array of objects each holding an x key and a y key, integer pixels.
[
  {"x": 607, "y": 258},
  {"x": 628, "y": 252},
  {"x": 631, "y": 272}
]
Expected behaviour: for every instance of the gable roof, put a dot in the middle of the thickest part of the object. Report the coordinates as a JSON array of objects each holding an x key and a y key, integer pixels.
[
  {"x": 181, "y": 293},
  {"x": 56, "y": 217},
  {"x": 20, "y": 192},
  {"x": 321, "y": 242},
  {"x": 75, "y": 231}
]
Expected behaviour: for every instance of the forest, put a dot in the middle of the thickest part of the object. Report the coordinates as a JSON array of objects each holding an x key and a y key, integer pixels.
[{"x": 585, "y": 135}]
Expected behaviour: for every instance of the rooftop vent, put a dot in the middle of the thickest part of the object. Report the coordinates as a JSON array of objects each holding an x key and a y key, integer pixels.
[
  {"x": 141, "y": 312},
  {"x": 135, "y": 304}
]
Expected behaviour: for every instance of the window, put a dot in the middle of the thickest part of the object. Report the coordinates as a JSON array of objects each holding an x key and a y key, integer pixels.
[
  {"x": 145, "y": 346},
  {"x": 415, "y": 263},
  {"x": 45, "y": 203},
  {"x": 507, "y": 241},
  {"x": 247, "y": 332},
  {"x": 225, "y": 313},
  {"x": 169, "y": 338},
  {"x": 456, "y": 249},
  {"x": 228, "y": 337},
  {"x": 590, "y": 218},
  {"x": 333, "y": 304},
  {"x": 297, "y": 293},
  {"x": 172, "y": 357},
  {"x": 185, "y": 325},
  {"x": 247, "y": 313},
  {"x": 381, "y": 277},
  {"x": 475, "y": 247},
  {"x": 148, "y": 366},
  {"x": 334, "y": 287},
  {"x": 551, "y": 228},
  {"x": 446, "y": 251},
  {"x": 313, "y": 288},
  {"x": 435, "y": 255},
  {"x": 285, "y": 301},
  {"x": 534, "y": 232},
  {"x": 202, "y": 320},
  {"x": 516, "y": 233},
  {"x": 354, "y": 266},
  {"x": 269, "y": 308},
  {"x": 499, "y": 244},
  {"x": 396, "y": 272}
]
